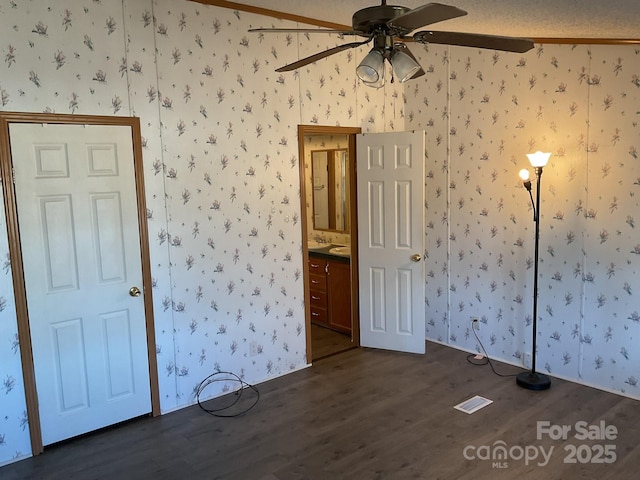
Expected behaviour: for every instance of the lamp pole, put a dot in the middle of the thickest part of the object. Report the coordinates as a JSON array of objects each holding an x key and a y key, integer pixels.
[{"x": 533, "y": 380}]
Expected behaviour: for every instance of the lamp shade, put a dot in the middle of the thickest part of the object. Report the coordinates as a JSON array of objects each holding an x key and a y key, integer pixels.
[
  {"x": 524, "y": 174},
  {"x": 403, "y": 65},
  {"x": 538, "y": 159},
  {"x": 377, "y": 84},
  {"x": 371, "y": 68}
]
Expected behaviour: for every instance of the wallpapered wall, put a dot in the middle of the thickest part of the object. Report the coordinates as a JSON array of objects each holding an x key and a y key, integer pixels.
[
  {"x": 482, "y": 112},
  {"x": 222, "y": 187},
  {"x": 221, "y": 170}
]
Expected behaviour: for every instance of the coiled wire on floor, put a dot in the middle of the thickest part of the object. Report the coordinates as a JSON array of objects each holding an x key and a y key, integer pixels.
[{"x": 225, "y": 411}]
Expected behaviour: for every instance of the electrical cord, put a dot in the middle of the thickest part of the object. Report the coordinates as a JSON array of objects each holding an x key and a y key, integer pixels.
[
  {"x": 220, "y": 412},
  {"x": 488, "y": 360}
]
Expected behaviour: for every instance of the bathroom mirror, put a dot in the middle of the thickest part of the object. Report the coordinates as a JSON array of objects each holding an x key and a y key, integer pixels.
[
  {"x": 327, "y": 154},
  {"x": 330, "y": 184}
]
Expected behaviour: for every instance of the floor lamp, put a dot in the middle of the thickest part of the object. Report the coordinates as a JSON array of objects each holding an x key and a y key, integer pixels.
[{"x": 533, "y": 380}]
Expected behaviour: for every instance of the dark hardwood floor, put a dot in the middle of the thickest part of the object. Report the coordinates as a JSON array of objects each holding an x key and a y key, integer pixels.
[
  {"x": 365, "y": 414},
  {"x": 326, "y": 342}
]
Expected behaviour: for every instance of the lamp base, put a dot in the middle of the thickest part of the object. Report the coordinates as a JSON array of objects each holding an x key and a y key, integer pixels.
[{"x": 533, "y": 381}]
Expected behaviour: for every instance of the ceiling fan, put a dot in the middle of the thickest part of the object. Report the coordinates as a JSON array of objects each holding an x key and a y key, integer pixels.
[{"x": 389, "y": 26}]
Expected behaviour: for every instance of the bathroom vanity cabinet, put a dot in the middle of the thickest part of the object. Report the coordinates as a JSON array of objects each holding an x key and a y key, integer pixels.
[{"x": 330, "y": 292}]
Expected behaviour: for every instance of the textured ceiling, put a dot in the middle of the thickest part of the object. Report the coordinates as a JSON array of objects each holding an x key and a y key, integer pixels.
[{"x": 616, "y": 19}]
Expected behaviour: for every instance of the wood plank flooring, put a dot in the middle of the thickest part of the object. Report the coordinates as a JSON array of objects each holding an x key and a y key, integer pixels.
[
  {"x": 363, "y": 414},
  {"x": 326, "y": 342}
]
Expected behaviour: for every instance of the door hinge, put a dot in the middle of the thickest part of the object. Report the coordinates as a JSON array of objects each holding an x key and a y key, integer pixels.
[{"x": 13, "y": 175}]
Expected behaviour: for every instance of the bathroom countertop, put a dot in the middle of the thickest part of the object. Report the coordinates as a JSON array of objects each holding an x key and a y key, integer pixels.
[{"x": 324, "y": 253}]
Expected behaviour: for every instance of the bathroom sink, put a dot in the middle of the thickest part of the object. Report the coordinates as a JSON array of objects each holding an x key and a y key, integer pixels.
[
  {"x": 344, "y": 251},
  {"x": 312, "y": 245}
]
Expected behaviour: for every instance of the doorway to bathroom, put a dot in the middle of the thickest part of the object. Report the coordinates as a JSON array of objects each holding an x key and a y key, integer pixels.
[{"x": 329, "y": 232}]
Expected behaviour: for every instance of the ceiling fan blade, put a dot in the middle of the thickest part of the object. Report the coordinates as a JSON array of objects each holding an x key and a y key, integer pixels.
[
  {"x": 491, "y": 42},
  {"x": 318, "y": 56},
  {"x": 425, "y": 15},
  {"x": 305, "y": 30}
]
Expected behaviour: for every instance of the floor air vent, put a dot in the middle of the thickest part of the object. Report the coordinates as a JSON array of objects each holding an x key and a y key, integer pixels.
[{"x": 473, "y": 404}]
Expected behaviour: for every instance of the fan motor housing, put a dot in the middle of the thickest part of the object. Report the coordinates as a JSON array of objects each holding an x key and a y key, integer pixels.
[{"x": 367, "y": 19}]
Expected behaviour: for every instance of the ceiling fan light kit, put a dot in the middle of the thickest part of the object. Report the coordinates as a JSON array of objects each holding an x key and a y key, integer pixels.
[
  {"x": 378, "y": 83},
  {"x": 371, "y": 69},
  {"x": 404, "y": 66},
  {"x": 389, "y": 26}
]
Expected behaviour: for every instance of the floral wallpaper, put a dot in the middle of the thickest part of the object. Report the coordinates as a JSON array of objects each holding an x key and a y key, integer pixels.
[
  {"x": 220, "y": 154},
  {"x": 222, "y": 185},
  {"x": 482, "y": 112}
]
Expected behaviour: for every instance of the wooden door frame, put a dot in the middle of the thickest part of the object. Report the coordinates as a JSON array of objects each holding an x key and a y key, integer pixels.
[
  {"x": 15, "y": 253},
  {"x": 351, "y": 133}
]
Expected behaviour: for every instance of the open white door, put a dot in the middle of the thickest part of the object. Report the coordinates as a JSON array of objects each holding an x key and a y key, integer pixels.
[
  {"x": 78, "y": 218},
  {"x": 391, "y": 240}
]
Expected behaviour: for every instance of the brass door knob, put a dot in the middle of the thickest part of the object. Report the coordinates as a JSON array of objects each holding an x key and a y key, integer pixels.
[
  {"x": 416, "y": 257},
  {"x": 134, "y": 292}
]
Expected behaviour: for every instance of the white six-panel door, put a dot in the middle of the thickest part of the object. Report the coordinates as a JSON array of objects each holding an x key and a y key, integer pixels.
[
  {"x": 77, "y": 212},
  {"x": 390, "y": 240}
]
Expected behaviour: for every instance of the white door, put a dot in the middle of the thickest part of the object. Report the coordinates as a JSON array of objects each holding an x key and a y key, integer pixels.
[
  {"x": 77, "y": 214},
  {"x": 391, "y": 240}
]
